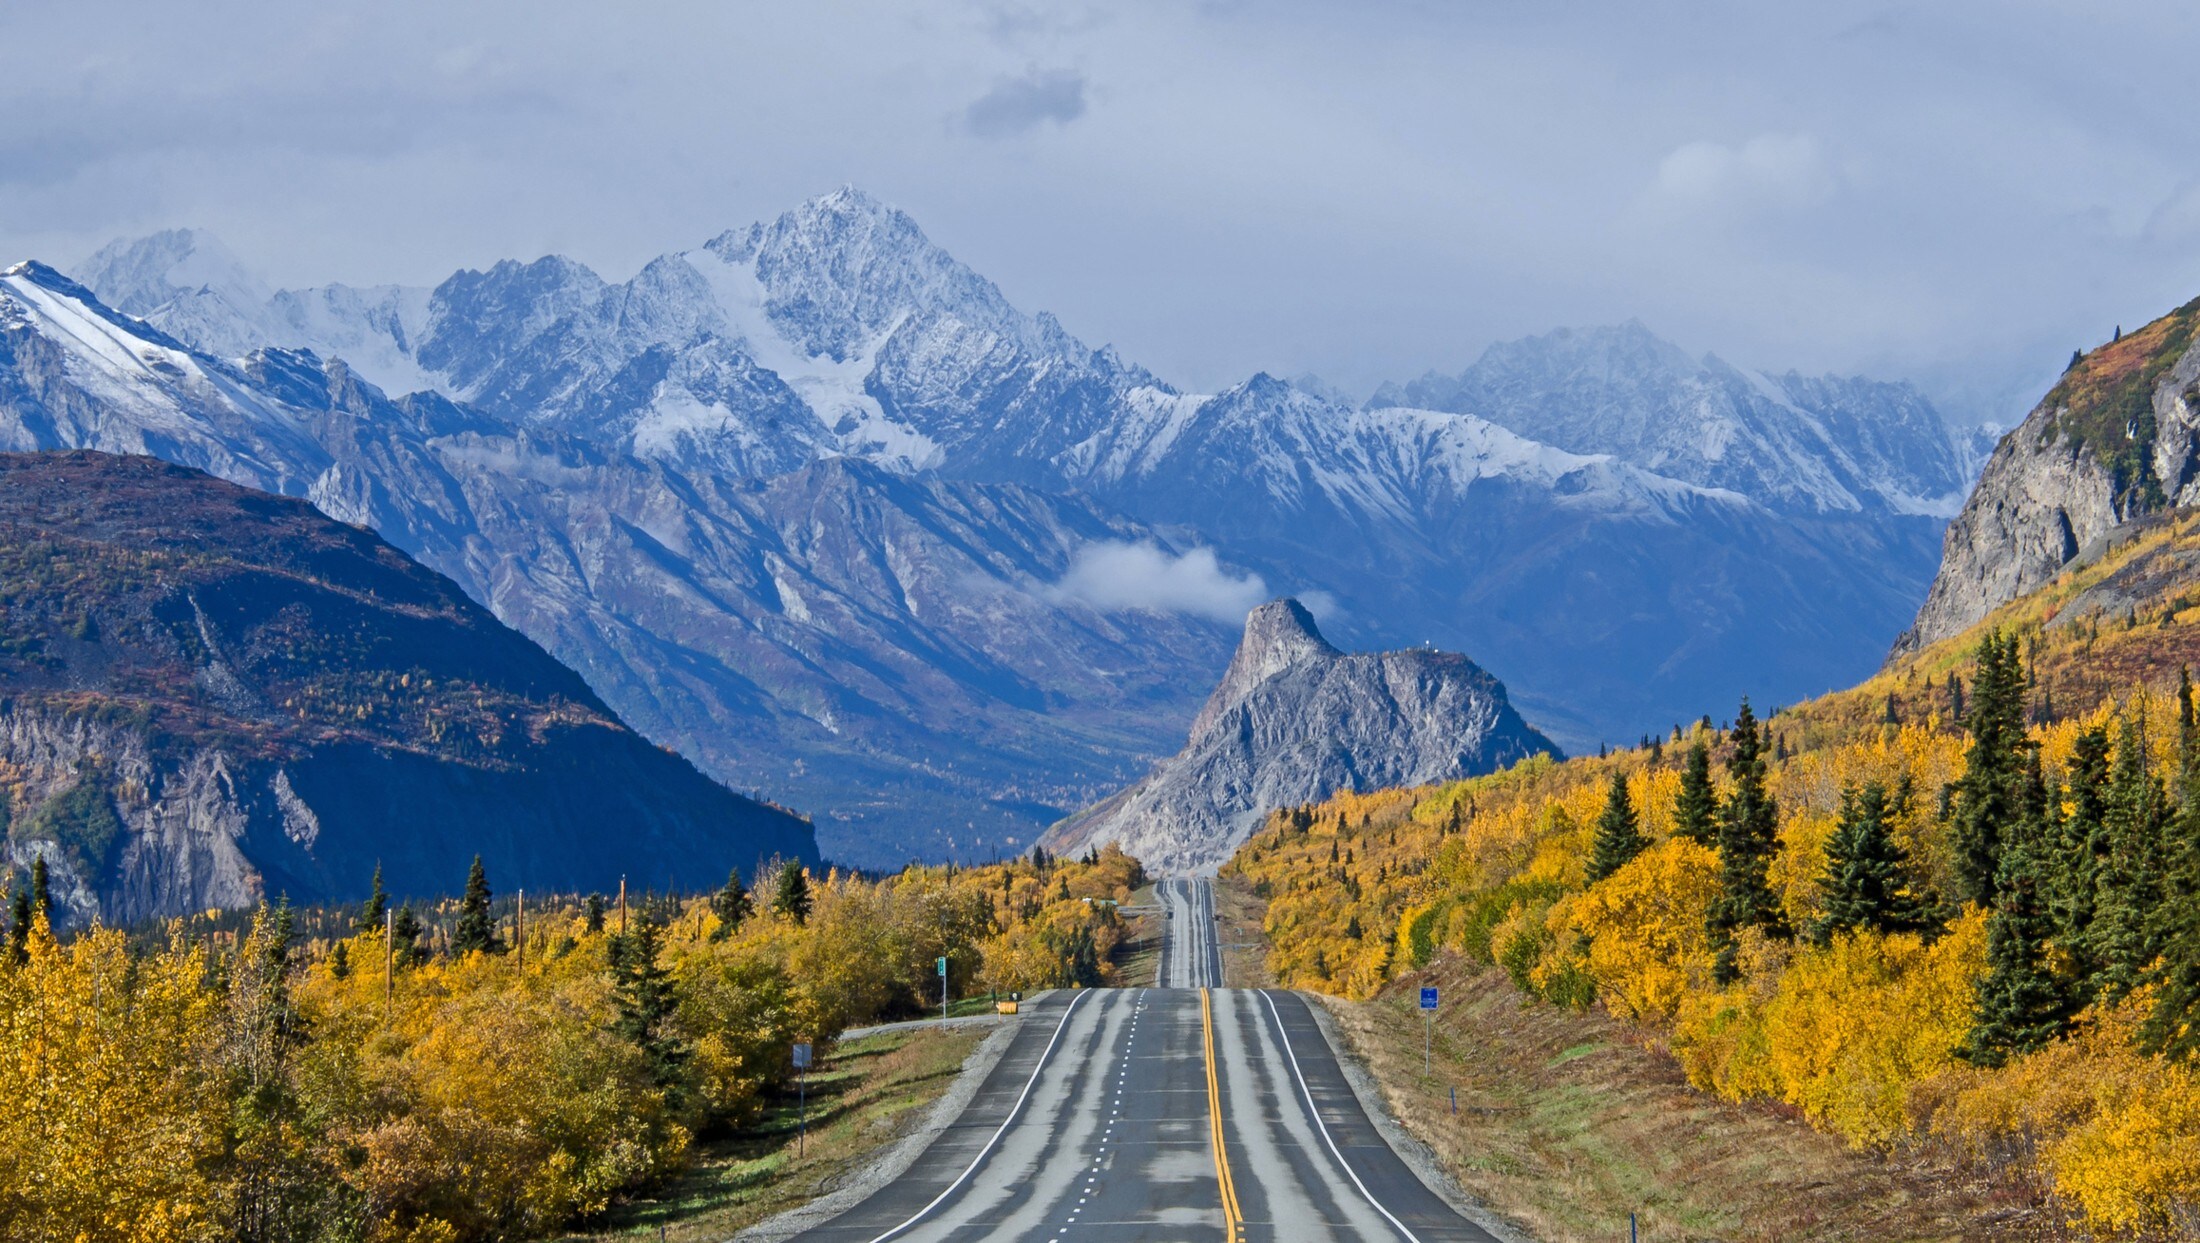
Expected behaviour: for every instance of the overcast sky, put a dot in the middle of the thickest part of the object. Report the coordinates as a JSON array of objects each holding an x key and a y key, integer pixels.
[{"x": 1956, "y": 192}]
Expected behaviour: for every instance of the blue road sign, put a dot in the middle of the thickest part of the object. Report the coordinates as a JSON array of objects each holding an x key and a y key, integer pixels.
[
  {"x": 943, "y": 968},
  {"x": 802, "y": 1056},
  {"x": 1428, "y": 999}
]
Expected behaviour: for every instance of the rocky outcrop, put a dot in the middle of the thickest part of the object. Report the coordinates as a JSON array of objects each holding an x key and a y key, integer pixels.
[
  {"x": 2115, "y": 441},
  {"x": 1294, "y": 721},
  {"x": 210, "y": 696}
]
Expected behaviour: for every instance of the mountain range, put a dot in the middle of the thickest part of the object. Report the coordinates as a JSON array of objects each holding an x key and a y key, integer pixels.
[{"x": 816, "y": 505}]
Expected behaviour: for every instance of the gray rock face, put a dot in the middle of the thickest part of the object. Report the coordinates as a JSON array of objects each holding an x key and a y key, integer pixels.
[
  {"x": 1294, "y": 721},
  {"x": 2116, "y": 441}
]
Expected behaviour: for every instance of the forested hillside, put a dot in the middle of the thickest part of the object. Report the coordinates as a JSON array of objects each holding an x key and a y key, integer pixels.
[
  {"x": 1955, "y": 905},
  {"x": 210, "y": 695},
  {"x": 475, "y": 1069}
]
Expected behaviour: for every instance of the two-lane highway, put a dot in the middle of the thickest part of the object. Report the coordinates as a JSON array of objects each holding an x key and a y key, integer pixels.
[
  {"x": 1191, "y": 953},
  {"x": 1178, "y": 1112}
]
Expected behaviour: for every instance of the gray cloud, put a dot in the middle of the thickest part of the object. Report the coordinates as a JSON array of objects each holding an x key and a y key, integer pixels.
[
  {"x": 1958, "y": 193},
  {"x": 1020, "y": 105}
]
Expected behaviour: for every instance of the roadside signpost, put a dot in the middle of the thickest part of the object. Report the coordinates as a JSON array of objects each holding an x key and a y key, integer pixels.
[
  {"x": 943, "y": 989},
  {"x": 1428, "y": 1022},
  {"x": 802, "y": 1096}
]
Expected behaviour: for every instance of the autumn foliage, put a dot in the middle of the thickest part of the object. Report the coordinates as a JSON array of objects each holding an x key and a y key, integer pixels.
[
  {"x": 1998, "y": 954},
  {"x": 272, "y": 1086}
]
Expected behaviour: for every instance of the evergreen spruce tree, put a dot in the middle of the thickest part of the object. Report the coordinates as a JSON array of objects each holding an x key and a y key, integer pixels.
[
  {"x": 378, "y": 904},
  {"x": 642, "y": 993},
  {"x": 19, "y": 926},
  {"x": 1988, "y": 793},
  {"x": 1696, "y": 807},
  {"x": 2129, "y": 919},
  {"x": 1867, "y": 883},
  {"x": 593, "y": 912},
  {"x": 1749, "y": 836},
  {"x": 476, "y": 930},
  {"x": 731, "y": 903},
  {"x": 792, "y": 898},
  {"x": 2020, "y": 1005},
  {"x": 2081, "y": 849},
  {"x": 2174, "y": 1027},
  {"x": 41, "y": 892},
  {"x": 339, "y": 960},
  {"x": 1618, "y": 837},
  {"x": 405, "y": 934}
]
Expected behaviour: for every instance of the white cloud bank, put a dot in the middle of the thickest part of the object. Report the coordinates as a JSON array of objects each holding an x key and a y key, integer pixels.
[{"x": 1116, "y": 575}]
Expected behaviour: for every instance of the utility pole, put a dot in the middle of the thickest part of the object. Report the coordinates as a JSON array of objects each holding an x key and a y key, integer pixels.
[
  {"x": 519, "y": 933},
  {"x": 389, "y": 962},
  {"x": 622, "y": 906}
]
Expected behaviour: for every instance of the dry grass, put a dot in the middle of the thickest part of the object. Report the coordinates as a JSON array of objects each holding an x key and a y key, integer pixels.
[
  {"x": 1244, "y": 943},
  {"x": 1566, "y": 1122},
  {"x": 867, "y": 1095},
  {"x": 1138, "y": 955}
]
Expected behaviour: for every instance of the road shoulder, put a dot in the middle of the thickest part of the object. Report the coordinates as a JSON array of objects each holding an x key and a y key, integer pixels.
[
  {"x": 1418, "y": 1157},
  {"x": 894, "y": 1160}
]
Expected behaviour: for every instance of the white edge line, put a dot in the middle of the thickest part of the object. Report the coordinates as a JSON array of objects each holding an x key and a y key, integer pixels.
[
  {"x": 1006, "y": 1123},
  {"x": 1311, "y": 1108}
]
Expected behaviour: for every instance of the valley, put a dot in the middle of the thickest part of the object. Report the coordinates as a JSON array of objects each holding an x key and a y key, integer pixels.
[{"x": 1028, "y": 623}]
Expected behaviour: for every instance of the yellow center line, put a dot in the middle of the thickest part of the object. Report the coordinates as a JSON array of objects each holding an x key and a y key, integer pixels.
[{"x": 1231, "y": 1214}]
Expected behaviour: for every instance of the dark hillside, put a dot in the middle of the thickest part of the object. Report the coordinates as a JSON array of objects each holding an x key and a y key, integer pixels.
[{"x": 208, "y": 694}]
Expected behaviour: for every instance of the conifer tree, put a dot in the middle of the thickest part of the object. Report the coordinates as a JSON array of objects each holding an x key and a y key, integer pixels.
[
  {"x": 405, "y": 934},
  {"x": 1867, "y": 883},
  {"x": 2020, "y": 1005},
  {"x": 1618, "y": 838},
  {"x": 1988, "y": 793},
  {"x": 41, "y": 892},
  {"x": 642, "y": 992},
  {"x": 792, "y": 899},
  {"x": 592, "y": 912},
  {"x": 1696, "y": 807},
  {"x": 2174, "y": 1026},
  {"x": 339, "y": 960},
  {"x": 2129, "y": 923},
  {"x": 378, "y": 904},
  {"x": 2081, "y": 848},
  {"x": 1748, "y": 839},
  {"x": 475, "y": 930},
  {"x": 19, "y": 926},
  {"x": 731, "y": 903}
]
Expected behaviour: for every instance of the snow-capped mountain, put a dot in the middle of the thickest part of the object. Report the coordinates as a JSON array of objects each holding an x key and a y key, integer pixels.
[
  {"x": 888, "y": 651},
  {"x": 1618, "y": 566},
  {"x": 1811, "y": 444}
]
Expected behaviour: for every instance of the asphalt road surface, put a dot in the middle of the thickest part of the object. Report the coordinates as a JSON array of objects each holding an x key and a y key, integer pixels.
[{"x": 1182, "y": 1112}]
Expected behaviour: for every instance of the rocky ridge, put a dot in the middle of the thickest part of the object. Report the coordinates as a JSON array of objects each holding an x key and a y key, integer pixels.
[
  {"x": 1293, "y": 721},
  {"x": 2114, "y": 442}
]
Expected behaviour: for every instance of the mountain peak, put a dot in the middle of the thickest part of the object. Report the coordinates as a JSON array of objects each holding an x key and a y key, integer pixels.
[
  {"x": 140, "y": 275},
  {"x": 1278, "y": 635},
  {"x": 1297, "y": 720}
]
